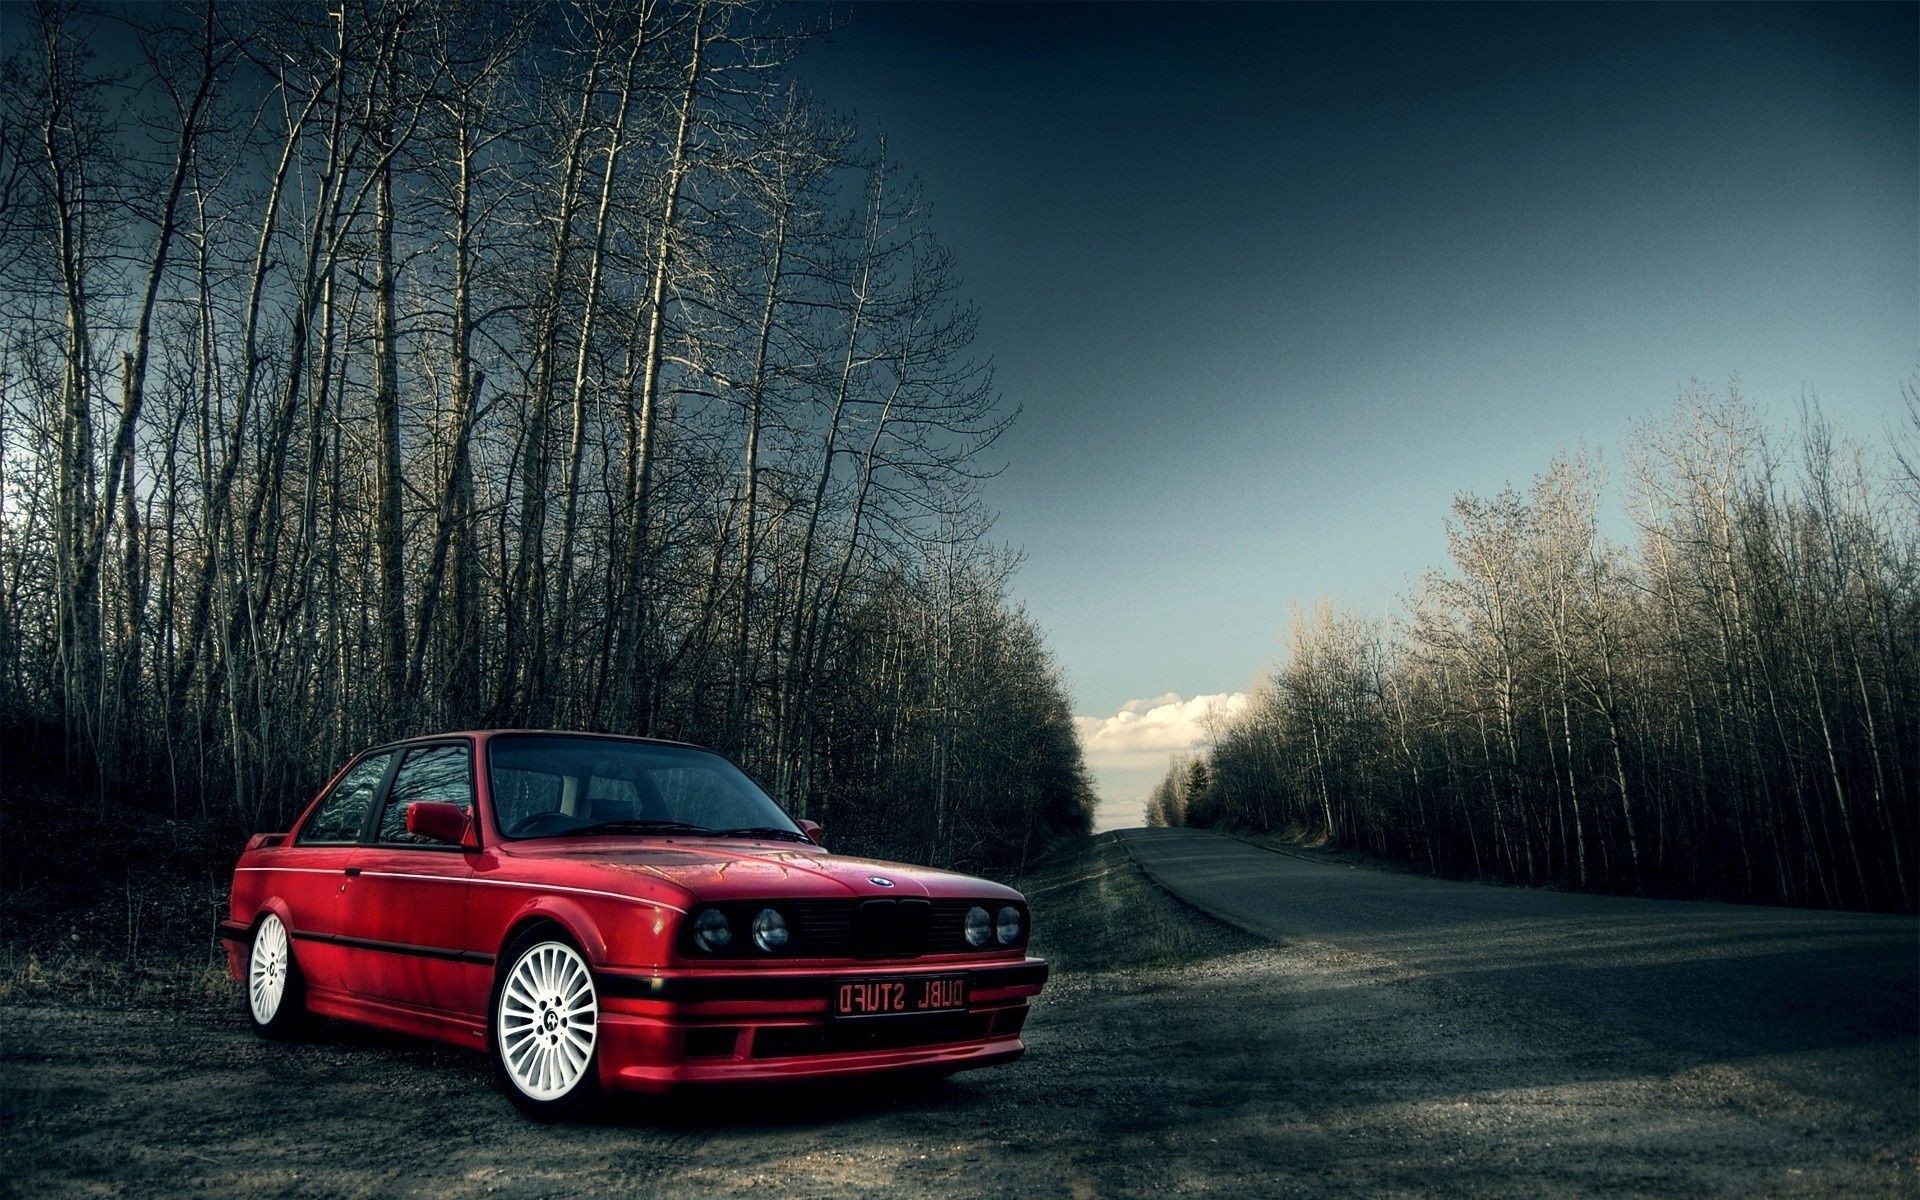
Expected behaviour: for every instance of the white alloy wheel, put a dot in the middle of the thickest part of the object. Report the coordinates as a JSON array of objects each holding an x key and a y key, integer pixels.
[
  {"x": 267, "y": 969},
  {"x": 546, "y": 1021}
]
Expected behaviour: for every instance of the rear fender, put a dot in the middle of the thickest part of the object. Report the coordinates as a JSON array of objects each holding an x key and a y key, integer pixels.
[
  {"x": 276, "y": 906},
  {"x": 238, "y": 951}
]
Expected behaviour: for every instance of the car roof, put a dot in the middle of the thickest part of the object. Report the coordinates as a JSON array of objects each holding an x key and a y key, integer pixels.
[{"x": 483, "y": 734}]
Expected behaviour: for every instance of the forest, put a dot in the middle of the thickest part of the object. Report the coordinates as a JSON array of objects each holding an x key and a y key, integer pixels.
[
  {"x": 1722, "y": 700},
  {"x": 377, "y": 367}
]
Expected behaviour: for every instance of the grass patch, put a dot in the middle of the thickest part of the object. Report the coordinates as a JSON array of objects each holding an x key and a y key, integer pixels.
[
  {"x": 78, "y": 978},
  {"x": 1095, "y": 910},
  {"x": 1314, "y": 845}
]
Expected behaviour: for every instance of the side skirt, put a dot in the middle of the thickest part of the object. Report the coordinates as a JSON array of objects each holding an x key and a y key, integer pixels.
[
  {"x": 399, "y": 1018},
  {"x": 407, "y": 948}
]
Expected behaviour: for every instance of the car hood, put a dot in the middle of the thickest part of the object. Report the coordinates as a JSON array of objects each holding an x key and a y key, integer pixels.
[{"x": 710, "y": 870}]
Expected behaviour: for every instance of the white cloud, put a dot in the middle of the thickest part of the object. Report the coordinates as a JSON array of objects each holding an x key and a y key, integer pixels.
[
  {"x": 1146, "y": 731},
  {"x": 1128, "y": 751}
]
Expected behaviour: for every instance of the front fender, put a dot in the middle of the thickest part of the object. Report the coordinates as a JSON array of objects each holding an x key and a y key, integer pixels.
[{"x": 609, "y": 934}]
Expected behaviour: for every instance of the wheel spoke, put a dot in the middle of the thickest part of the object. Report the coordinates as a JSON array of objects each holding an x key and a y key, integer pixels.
[
  {"x": 550, "y": 983},
  {"x": 267, "y": 970}
]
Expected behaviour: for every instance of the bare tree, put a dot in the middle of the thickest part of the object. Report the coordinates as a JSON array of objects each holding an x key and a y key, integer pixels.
[
  {"x": 1738, "y": 687},
  {"x": 454, "y": 364}
]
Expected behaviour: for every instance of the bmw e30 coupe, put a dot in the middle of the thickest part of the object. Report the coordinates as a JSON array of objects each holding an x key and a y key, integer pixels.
[{"x": 610, "y": 914}]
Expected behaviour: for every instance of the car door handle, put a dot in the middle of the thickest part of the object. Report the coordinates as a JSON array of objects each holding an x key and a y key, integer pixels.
[{"x": 350, "y": 872}]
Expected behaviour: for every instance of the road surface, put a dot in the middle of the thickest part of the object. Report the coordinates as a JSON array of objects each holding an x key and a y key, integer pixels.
[
  {"x": 1386, "y": 1036},
  {"x": 1822, "y": 1002}
]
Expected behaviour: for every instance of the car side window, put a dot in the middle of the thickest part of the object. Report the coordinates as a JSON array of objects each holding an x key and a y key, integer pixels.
[
  {"x": 442, "y": 773},
  {"x": 344, "y": 811}
]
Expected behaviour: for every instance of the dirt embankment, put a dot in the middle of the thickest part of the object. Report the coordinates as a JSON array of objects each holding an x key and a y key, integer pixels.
[{"x": 1171, "y": 1053}]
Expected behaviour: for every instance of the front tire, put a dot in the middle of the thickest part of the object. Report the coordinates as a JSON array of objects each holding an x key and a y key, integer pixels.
[
  {"x": 276, "y": 991},
  {"x": 543, "y": 1027}
]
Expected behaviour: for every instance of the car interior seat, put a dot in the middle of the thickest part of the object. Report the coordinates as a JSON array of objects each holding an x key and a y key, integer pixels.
[{"x": 613, "y": 808}]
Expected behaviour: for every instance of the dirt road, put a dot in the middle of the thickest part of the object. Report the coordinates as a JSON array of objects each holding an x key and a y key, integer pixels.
[{"x": 1403, "y": 1037}]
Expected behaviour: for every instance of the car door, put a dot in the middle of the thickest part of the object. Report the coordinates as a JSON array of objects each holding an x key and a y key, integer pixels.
[
  {"x": 311, "y": 875},
  {"x": 405, "y": 917}
]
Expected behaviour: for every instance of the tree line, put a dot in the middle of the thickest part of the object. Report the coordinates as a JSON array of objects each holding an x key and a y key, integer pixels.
[
  {"x": 1726, "y": 705},
  {"x": 391, "y": 365}
]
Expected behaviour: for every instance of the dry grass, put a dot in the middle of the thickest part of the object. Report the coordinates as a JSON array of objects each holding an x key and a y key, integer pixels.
[
  {"x": 1315, "y": 846},
  {"x": 79, "y": 978},
  {"x": 1094, "y": 909}
]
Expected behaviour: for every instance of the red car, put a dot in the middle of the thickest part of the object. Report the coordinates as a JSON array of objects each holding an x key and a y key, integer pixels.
[{"x": 611, "y": 914}]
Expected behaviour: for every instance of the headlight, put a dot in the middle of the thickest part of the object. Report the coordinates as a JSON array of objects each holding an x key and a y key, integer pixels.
[
  {"x": 712, "y": 931},
  {"x": 979, "y": 927},
  {"x": 770, "y": 930},
  {"x": 1010, "y": 926}
]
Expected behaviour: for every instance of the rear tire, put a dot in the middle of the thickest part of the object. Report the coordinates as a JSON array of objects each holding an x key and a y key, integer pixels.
[
  {"x": 543, "y": 1026},
  {"x": 276, "y": 991}
]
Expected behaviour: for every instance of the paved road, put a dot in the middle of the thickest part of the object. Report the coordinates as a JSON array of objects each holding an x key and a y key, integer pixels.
[{"x": 1816, "y": 1004}]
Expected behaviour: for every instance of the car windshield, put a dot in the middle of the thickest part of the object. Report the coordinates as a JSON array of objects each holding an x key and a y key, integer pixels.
[{"x": 548, "y": 785}]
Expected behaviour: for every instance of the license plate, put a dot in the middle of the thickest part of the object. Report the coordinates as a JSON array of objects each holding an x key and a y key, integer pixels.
[{"x": 900, "y": 996}]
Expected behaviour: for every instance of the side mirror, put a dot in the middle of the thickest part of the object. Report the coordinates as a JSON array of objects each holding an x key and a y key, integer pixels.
[
  {"x": 442, "y": 822},
  {"x": 813, "y": 831}
]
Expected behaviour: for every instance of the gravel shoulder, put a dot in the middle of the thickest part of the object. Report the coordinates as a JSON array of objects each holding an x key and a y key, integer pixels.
[{"x": 1199, "y": 1059}]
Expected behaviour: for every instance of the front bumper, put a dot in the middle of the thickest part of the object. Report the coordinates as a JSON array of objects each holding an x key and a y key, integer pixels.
[{"x": 660, "y": 1031}]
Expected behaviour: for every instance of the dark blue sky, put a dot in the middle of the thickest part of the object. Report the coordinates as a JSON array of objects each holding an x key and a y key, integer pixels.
[{"x": 1272, "y": 283}]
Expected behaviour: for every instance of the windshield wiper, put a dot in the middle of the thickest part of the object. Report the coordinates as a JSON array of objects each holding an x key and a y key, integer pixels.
[
  {"x": 638, "y": 825},
  {"x": 766, "y": 831}
]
